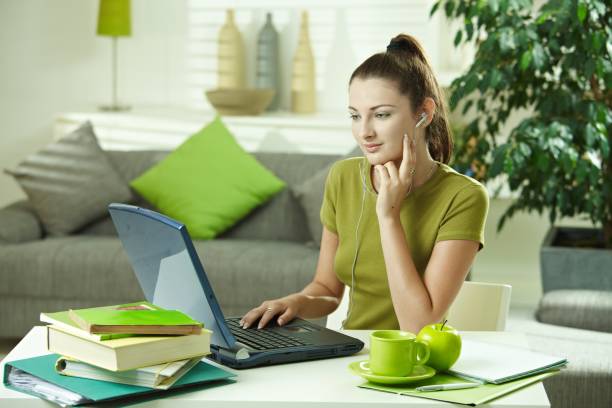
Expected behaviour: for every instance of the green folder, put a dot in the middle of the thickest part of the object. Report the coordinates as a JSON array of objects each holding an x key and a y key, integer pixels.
[
  {"x": 43, "y": 368},
  {"x": 468, "y": 396}
]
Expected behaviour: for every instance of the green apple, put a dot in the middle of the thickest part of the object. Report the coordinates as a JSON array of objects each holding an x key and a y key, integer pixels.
[{"x": 444, "y": 345}]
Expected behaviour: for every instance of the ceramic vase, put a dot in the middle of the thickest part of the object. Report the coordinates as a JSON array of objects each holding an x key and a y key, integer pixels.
[
  {"x": 303, "y": 89},
  {"x": 267, "y": 75},
  {"x": 231, "y": 60}
]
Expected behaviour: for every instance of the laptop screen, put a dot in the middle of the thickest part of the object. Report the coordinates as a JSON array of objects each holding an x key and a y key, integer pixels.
[{"x": 168, "y": 268}]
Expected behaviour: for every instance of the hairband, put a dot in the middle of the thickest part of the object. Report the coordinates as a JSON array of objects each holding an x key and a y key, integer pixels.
[{"x": 395, "y": 45}]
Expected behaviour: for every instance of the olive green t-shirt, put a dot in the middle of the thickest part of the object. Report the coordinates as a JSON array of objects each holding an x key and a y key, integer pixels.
[{"x": 449, "y": 206}]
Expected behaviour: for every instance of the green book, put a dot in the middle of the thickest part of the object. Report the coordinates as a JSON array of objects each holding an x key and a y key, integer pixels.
[
  {"x": 37, "y": 376},
  {"x": 134, "y": 318},
  {"x": 63, "y": 320},
  {"x": 468, "y": 396}
]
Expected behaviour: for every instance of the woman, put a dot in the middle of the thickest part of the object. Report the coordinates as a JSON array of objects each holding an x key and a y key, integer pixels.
[{"x": 400, "y": 227}]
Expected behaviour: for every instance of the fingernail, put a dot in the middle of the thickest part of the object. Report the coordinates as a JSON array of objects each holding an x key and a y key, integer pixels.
[{"x": 280, "y": 322}]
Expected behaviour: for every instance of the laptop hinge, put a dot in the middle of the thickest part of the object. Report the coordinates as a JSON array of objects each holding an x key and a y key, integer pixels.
[{"x": 238, "y": 354}]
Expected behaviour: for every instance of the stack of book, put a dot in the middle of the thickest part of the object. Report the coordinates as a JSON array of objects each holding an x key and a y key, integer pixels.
[{"x": 113, "y": 351}]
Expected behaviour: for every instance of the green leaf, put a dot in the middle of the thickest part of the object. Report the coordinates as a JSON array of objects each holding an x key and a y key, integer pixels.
[
  {"x": 499, "y": 156},
  {"x": 538, "y": 56},
  {"x": 582, "y": 12},
  {"x": 495, "y": 78},
  {"x": 525, "y": 150},
  {"x": 591, "y": 135},
  {"x": 458, "y": 37},
  {"x": 525, "y": 60},
  {"x": 506, "y": 40},
  {"x": 494, "y": 6},
  {"x": 543, "y": 17},
  {"x": 467, "y": 106},
  {"x": 469, "y": 29},
  {"x": 597, "y": 41},
  {"x": 542, "y": 162},
  {"x": 449, "y": 6},
  {"x": 434, "y": 8}
]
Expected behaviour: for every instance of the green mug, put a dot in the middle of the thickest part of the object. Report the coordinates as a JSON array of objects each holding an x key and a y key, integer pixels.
[{"x": 394, "y": 353}]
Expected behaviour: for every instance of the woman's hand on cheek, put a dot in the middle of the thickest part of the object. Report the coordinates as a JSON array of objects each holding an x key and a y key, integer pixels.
[{"x": 395, "y": 183}]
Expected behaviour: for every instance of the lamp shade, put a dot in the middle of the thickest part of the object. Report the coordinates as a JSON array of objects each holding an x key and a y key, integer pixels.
[{"x": 114, "y": 18}]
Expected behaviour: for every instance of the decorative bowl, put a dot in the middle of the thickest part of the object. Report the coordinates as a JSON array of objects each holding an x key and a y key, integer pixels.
[{"x": 240, "y": 101}]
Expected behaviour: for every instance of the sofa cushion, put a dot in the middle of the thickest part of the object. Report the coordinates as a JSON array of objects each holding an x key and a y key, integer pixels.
[
  {"x": 75, "y": 267},
  {"x": 208, "y": 183},
  {"x": 244, "y": 273},
  {"x": 95, "y": 268},
  {"x": 310, "y": 195},
  {"x": 19, "y": 223},
  {"x": 70, "y": 182},
  {"x": 584, "y": 309},
  {"x": 282, "y": 218}
]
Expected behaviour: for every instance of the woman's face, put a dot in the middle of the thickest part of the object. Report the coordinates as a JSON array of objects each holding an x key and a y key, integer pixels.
[{"x": 380, "y": 117}]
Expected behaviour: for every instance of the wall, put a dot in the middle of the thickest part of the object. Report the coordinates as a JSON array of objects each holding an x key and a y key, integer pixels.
[{"x": 52, "y": 61}]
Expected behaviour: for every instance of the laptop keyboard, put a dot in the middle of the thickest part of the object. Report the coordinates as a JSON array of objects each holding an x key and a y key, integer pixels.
[{"x": 262, "y": 339}]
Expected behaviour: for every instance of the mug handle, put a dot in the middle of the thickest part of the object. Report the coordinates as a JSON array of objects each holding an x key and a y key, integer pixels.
[{"x": 421, "y": 352}]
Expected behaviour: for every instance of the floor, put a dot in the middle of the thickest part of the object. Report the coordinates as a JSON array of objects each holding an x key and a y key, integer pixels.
[{"x": 516, "y": 318}]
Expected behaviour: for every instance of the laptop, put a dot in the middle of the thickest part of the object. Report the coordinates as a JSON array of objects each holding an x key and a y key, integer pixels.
[{"x": 172, "y": 276}]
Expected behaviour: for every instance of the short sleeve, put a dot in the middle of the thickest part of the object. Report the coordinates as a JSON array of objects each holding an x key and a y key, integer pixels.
[
  {"x": 328, "y": 207},
  {"x": 466, "y": 217}
]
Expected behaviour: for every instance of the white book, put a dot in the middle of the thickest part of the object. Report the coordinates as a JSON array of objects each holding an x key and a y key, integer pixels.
[
  {"x": 160, "y": 376},
  {"x": 498, "y": 364}
]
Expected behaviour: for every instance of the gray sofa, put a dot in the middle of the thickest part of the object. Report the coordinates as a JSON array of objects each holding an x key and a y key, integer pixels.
[
  {"x": 268, "y": 254},
  {"x": 587, "y": 380}
]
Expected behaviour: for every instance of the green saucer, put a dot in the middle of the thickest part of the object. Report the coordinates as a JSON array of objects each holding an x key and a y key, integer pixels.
[{"x": 420, "y": 372}]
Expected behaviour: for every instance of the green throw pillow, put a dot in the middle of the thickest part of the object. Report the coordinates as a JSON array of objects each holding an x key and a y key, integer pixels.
[{"x": 208, "y": 183}]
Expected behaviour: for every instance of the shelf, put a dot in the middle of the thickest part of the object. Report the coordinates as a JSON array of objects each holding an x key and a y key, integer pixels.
[{"x": 151, "y": 128}]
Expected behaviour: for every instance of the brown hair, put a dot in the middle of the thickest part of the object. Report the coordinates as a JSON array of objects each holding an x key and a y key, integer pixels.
[{"x": 405, "y": 63}]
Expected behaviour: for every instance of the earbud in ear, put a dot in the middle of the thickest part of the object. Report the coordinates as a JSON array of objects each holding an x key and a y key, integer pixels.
[{"x": 422, "y": 120}]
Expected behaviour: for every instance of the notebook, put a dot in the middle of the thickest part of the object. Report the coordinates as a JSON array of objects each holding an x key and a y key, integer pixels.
[
  {"x": 37, "y": 376},
  {"x": 497, "y": 364},
  {"x": 468, "y": 396},
  {"x": 160, "y": 376},
  {"x": 172, "y": 276}
]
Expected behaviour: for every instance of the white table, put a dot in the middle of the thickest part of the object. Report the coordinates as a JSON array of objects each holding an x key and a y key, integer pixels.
[{"x": 322, "y": 383}]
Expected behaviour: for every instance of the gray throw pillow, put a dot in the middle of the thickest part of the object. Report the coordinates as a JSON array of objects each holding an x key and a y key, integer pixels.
[
  {"x": 70, "y": 182},
  {"x": 310, "y": 195}
]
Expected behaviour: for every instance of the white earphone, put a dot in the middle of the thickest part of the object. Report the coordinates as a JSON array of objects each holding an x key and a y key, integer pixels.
[{"x": 422, "y": 120}]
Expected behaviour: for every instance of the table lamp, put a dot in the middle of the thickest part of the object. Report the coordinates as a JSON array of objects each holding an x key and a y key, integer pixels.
[{"x": 114, "y": 21}]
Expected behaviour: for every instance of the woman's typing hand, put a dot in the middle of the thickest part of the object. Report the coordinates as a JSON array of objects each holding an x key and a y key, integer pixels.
[{"x": 283, "y": 309}]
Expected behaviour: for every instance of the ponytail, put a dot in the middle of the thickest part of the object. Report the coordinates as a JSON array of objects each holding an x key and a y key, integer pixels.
[{"x": 406, "y": 64}]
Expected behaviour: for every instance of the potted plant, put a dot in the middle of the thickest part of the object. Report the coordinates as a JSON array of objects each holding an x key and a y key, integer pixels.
[{"x": 553, "y": 62}]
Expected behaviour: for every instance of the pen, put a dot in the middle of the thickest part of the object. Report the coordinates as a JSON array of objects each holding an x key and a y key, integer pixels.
[{"x": 444, "y": 387}]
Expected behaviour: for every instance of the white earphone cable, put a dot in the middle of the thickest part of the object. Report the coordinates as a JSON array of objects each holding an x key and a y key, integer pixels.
[{"x": 357, "y": 242}]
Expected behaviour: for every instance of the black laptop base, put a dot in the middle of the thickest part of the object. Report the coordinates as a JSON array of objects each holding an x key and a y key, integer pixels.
[
  {"x": 260, "y": 359},
  {"x": 298, "y": 348}
]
